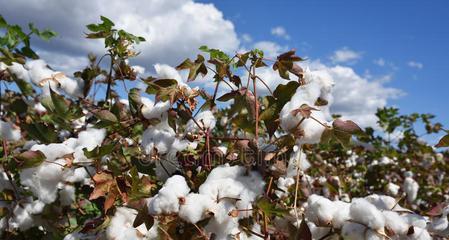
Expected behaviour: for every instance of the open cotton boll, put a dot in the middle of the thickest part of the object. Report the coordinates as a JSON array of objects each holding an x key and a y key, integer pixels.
[
  {"x": 154, "y": 111},
  {"x": 23, "y": 215},
  {"x": 121, "y": 225},
  {"x": 43, "y": 180},
  {"x": 160, "y": 136},
  {"x": 52, "y": 151},
  {"x": 46, "y": 78},
  {"x": 19, "y": 71},
  {"x": 283, "y": 184},
  {"x": 419, "y": 234},
  {"x": 166, "y": 201},
  {"x": 355, "y": 231},
  {"x": 320, "y": 210},
  {"x": 392, "y": 189},
  {"x": 9, "y": 132},
  {"x": 222, "y": 225},
  {"x": 411, "y": 188},
  {"x": 395, "y": 223},
  {"x": 382, "y": 202},
  {"x": 415, "y": 220},
  {"x": 167, "y": 72},
  {"x": 204, "y": 119},
  {"x": 364, "y": 212},
  {"x": 195, "y": 207},
  {"x": 341, "y": 215}
]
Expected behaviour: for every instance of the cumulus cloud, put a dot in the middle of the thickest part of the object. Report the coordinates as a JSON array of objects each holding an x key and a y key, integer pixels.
[
  {"x": 165, "y": 24},
  {"x": 414, "y": 64},
  {"x": 280, "y": 31},
  {"x": 345, "y": 55},
  {"x": 355, "y": 97},
  {"x": 270, "y": 49}
]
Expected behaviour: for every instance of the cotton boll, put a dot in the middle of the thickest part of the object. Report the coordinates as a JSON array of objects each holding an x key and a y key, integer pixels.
[
  {"x": 195, "y": 207},
  {"x": 395, "y": 223},
  {"x": 121, "y": 226},
  {"x": 283, "y": 184},
  {"x": 91, "y": 138},
  {"x": 341, "y": 215},
  {"x": 364, "y": 212},
  {"x": 223, "y": 225},
  {"x": 9, "y": 132},
  {"x": 355, "y": 231},
  {"x": 52, "y": 151},
  {"x": 415, "y": 220},
  {"x": 381, "y": 201},
  {"x": 419, "y": 234},
  {"x": 205, "y": 120},
  {"x": 23, "y": 215},
  {"x": 19, "y": 71},
  {"x": 160, "y": 136},
  {"x": 154, "y": 111},
  {"x": 165, "y": 71},
  {"x": 411, "y": 188},
  {"x": 166, "y": 201},
  {"x": 67, "y": 195},
  {"x": 43, "y": 180},
  {"x": 320, "y": 210},
  {"x": 73, "y": 87},
  {"x": 393, "y": 189}
]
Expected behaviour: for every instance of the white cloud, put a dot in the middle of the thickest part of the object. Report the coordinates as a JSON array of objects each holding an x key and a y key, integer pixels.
[
  {"x": 270, "y": 49},
  {"x": 416, "y": 65},
  {"x": 247, "y": 38},
  {"x": 354, "y": 97},
  {"x": 174, "y": 29},
  {"x": 345, "y": 55},
  {"x": 280, "y": 31},
  {"x": 379, "y": 62}
]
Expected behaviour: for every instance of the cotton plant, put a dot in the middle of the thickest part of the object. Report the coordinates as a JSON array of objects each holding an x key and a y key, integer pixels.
[{"x": 167, "y": 160}]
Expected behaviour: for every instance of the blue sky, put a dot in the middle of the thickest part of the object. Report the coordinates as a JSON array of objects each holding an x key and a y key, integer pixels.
[
  {"x": 396, "y": 31},
  {"x": 379, "y": 53}
]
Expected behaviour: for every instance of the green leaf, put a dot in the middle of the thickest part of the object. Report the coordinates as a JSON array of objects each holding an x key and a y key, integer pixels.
[
  {"x": 135, "y": 102},
  {"x": 106, "y": 116},
  {"x": 99, "y": 151},
  {"x": 61, "y": 107},
  {"x": 30, "y": 159},
  {"x": 270, "y": 208},
  {"x": 195, "y": 68},
  {"x": 3, "y": 23},
  {"x": 25, "y": 87}
]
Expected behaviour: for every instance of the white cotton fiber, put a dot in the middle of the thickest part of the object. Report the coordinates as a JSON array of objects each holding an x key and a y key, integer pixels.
[
  {"x": 395, "y": 222},
  {"x": 355, "y": 231},
  {"x": 364, "y": 212},
  {"x": 205, "y": 120},
  {"x": 19, "y": 71},
  {"x": 320, "y": 210},
  {"x": 411, "y": 188},
  {"x": 154, "y": 111},
  {"x": 9, "y": 132},
  {"x": 167, "y": 199},
  {"x": 195, "y": 207},
  {"x": 121, "y": 225},
  {"x": 160, "y": 136}
]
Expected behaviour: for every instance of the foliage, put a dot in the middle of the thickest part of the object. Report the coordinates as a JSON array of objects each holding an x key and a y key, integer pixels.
[{"x": 126, "y": 149}]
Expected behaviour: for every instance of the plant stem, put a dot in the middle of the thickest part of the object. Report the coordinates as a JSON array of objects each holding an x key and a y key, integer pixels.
[{"x": 108, "y": 89}]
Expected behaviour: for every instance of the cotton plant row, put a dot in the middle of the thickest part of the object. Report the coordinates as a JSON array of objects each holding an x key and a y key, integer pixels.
[{"x": 172, "y": 161}]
